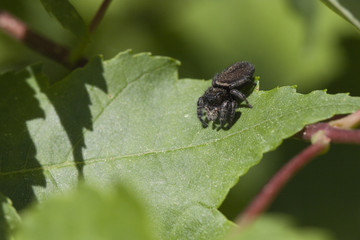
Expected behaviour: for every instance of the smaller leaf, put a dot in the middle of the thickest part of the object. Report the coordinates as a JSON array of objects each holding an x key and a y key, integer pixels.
[
  {"x": 348, "y": 9},
  {"x": 67, "y": 15},
  {"x": 280, "y": 228},
  {"x": 88, "y": 214},
  {"x": 9, "y": 218}
]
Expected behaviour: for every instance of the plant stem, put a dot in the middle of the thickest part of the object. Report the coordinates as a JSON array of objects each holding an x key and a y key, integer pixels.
[
  {"x": 18, "y": 30},
  {"x": 99, "y": 15},
  {"x": 271, "y": 189},
  {"x": 321, "y": 134},
  {"x": 337, "y": 135}
]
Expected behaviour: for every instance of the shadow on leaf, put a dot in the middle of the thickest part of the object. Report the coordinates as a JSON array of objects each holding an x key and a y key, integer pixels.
[
  {"x": 18, "y": 153},
  {"x": 20, "y": 170},
  {"x": 71, "y": 101}
]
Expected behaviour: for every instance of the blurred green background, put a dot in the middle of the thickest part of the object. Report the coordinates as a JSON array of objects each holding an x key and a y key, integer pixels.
[{"x": 291, "y": 42}]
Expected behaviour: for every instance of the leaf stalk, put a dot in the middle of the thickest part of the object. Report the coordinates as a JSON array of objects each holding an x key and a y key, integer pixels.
[
  {"x": 320, "y": 134},
  {"x": 99, "y": 15},
  {"x": 18, "y": 30}
]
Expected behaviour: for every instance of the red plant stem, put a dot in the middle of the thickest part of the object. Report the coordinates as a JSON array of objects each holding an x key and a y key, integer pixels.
[
  {"x": 337, "y": 131},
  {"x": 12, "y": 26},
  {"x": 337, "y": 135},
  {"x": 18, "y": 30},
  {"x": 99, "y": 15},
  {"x": 344, "y": 136},
  {"x": 271, "y": 189}
]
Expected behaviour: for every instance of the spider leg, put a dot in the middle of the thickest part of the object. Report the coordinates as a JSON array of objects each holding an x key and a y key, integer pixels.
[
  {"x": 200, "y": 107},
  {"x": 241, "y": 96},
  {"x": 224, "y": 112},
  {"x": 234, "y": 105}
]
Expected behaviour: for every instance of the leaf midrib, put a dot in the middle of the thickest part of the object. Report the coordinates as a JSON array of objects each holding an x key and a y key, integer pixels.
[{"x": 116, "y": 158}]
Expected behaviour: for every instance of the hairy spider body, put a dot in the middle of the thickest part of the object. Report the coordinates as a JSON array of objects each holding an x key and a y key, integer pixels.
[{"x": 221, "y": 99}]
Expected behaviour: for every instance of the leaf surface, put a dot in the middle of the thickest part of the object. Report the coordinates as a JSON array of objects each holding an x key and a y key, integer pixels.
[
  {"x": 280, "y": 228},
  {"x": 88, "y": 214},
  {"x": 130, "y": 119}
]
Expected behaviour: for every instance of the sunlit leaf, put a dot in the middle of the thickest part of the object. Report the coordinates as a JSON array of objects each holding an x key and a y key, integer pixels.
[{"x": 131, "y": 119}]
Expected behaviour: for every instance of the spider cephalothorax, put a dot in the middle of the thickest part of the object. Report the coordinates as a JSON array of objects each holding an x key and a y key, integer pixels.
[{"x": 221, "y": 99}]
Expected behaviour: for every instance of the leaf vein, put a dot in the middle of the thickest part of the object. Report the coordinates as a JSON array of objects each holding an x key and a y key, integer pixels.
[{"x": 116, "y": 158}]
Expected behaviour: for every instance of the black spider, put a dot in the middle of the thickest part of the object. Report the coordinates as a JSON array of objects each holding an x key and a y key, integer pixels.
[{"x": 221, "y": 99}]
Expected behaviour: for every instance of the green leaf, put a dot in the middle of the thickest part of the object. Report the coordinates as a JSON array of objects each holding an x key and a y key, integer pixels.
[
  {"x": 130, "y": 119},
  {"x": 89, "y": 214},
  {"x": 279, "y": 228},
  {"x": 9, "y": 218},
  {"x": 67, "y": 15},
  {"x": 348, "y": 9}
]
